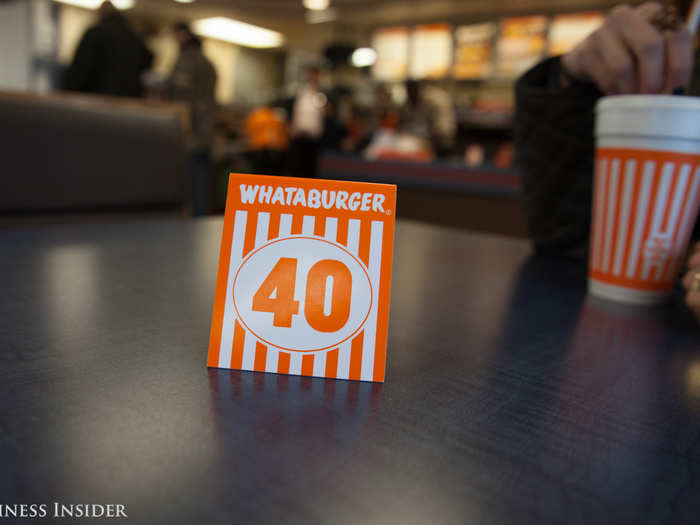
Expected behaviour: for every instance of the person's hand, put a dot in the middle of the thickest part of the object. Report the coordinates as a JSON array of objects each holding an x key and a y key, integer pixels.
[
  {"x": 627, "y": 54},
  {"x": 691, "y": 281}
]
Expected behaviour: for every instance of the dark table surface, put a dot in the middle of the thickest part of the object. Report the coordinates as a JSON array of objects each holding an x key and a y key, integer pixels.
[{"x": 510, "y": 397}]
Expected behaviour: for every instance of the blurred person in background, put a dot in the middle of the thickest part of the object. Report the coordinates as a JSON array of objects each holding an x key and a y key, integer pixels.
[
  {"x": 428, "y": 114},
  {"x": 636, "y": 50},
  {"x": 267, "y": 140},
  {"x": 307, "y": 126},
  {"x": 110, "y": 58},
  {"x": 193, "y": 81}
]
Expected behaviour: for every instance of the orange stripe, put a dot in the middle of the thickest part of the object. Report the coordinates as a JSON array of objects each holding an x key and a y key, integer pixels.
[
  {"x": 274, "y": 227},
  {"x": 616, "y": 217},
  {"x": 356, "y": 357},
  {"x": 342, "y": 232},
  {"x": 365, "y": 238},
  {"x": 380, "y": 343},
  {"x": 332, "y": 363},
  {"x": 676, "y": 230},
  {"x": 636, "y": 186},
  {"x": 260, "y": 357},
  {"x": 283, "y": 363},
  {"x": 307, "y": 365},
  {"x": 237, "y": 347},
  {"x": 603, "y": 214},
  {"x": 297, "y": 223},
  {"x": 647, "y": 223},
  {"x": 250, "y": 230},
  {"x": 217, "y": 317},
  {"x": 594, "y": 213},
  {"x": 636, "y": 283},
  {"x": 669, "y": 200},
  {"x": 319, "y": 226}
]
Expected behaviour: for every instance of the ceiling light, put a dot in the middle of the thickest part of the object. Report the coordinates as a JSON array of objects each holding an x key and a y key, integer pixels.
[
  {"x": 316, "y": 5},
  {"x": 184, "y": 1},
  {"x": 94, "y": 4},
  {"x": 319, "y": 17},
  {"x": 236, "y": 32},
  {"x": 363, "y": 57}
]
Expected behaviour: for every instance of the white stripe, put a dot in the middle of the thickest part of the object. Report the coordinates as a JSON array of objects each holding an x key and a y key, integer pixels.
[
  {"x": 600, "y": 183},
  {"x": 623, "y": 227},
  {"x": 331, "y": 233},
  {"x": 248, "y": 361},
  {"x": 354, "y": 236},
  {"x": 687, "y": 221},
  {"x": 659, "y": 208},
  {"x": 261, "y": 232},
  {"x": 320, "y": 364},
  {"x": 643, "y": 204},
  {"x": 295, "y": 364},
  {"x": 273, "y": 355},
  {"x": 272, "y": 360},
  {"x": 262, "y": 229},
  {"x": 226, "y": 346},
  {"x": 370, "y": 330},
  {"x": 320, "y": 358},
  {"x": 610, "y": 218},
  {"x": 680, "y": 190},
  {"x": 285, "y": 225},
  {"x": 344, "y": 350},
  {"x": 307, "y": 226},
  {"x": 344, "y": 360}
]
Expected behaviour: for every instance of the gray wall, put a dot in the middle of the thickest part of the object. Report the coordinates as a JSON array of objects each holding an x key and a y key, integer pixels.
[
  {"x": 15, "y": 44},
  {"x": 259, "y": 75}
]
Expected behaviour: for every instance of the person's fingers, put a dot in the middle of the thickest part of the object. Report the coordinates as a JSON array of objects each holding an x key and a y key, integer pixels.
[
  {"x": 620, "y": 63},
  {"x": 647, "y": 44},
  {"x": 679, "y": 59},
  {"x": 593, "y": 63},
  {"x": 648, "y": 10},
  {"x": 692, "y": 300},
  {"x": 694, "y": 260},
  {"x": 686, "y": 279}
]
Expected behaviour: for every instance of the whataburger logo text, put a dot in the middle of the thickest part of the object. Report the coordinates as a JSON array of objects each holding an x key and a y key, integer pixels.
[{"x": 313, "y": 198}]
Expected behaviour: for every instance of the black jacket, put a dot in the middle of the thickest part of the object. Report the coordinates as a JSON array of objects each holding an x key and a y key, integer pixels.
[
  {"x": 553, "y": 133},
  {"x": 555, "y": 148},
  {"x": 109, "y": 60}
]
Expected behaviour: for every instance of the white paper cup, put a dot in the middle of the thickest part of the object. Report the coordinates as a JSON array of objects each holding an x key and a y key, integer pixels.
[{"x": 646, "y": 194}]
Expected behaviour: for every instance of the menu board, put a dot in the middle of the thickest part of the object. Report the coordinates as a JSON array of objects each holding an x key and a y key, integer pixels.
[
  {"x": 566, "y": 31},
  {"x": 521, "y": 44},
  {"x": 391, "y": 46},
  {"x": 431, "y": 51},
  {"x": 474, "y": 51}
]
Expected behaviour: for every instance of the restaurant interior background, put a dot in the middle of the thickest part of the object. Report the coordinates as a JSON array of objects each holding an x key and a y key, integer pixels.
[{"x": 69, "y": 155}]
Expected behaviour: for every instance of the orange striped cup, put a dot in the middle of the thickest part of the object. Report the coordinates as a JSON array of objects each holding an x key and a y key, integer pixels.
[{"x": 646, "y": 195}]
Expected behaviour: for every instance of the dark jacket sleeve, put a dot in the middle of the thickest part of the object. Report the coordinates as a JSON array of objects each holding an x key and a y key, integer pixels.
[
  {"x": 554, "y": 142},
  {"x": 80, "y": 72}
]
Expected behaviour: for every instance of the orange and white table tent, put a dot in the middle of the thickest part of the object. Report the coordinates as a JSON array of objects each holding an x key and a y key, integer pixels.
[{"x": 304, "y": 278}]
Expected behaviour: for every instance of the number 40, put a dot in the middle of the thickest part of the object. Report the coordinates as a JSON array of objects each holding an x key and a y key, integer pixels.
[{"x": 281, "y": 282}]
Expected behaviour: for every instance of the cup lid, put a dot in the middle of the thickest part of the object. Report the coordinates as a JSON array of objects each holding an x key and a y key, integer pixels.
[
  {"x": 635, "y": 102},
  {"x": 655, "y": 116}
]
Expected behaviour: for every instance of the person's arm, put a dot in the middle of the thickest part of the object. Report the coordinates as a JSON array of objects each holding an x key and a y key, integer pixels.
[
  {"x": 691, "y": 281},
  {"x": 553, "y": 134},
  {"x": 554, "y": 116}
]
